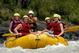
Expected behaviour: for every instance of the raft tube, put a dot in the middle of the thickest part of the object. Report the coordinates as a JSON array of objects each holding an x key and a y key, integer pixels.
[{"x": 33, "y": 41}]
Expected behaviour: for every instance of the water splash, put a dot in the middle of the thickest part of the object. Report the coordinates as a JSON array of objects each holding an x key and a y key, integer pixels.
[{"x": 73, "y": 47}]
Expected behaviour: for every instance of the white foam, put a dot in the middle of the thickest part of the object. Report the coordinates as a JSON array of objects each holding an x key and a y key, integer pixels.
[{"x": 73, "y": 47}]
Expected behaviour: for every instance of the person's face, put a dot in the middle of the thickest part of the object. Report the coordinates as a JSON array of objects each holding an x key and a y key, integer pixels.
[
  {"x": 30, "y": 15},
  {"x": 25, "y": 19},
  {"x": 16, "y": 17},
  {"x": 56, "y": 19},
  {"x": 48, "y": 21}
]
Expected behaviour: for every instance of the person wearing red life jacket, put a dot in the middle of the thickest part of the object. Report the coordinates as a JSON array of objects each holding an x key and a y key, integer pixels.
[
  {"x": 23, "y": 28},
  {"x": 15, "y": 20},
  {"x": 47, "y": 24},
  {"x": 56, "y": 25},
  {"x": 47, "y": 20}
]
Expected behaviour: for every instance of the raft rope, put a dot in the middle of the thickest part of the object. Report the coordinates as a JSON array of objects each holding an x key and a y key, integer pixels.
[{"x": 37, "y": 39}]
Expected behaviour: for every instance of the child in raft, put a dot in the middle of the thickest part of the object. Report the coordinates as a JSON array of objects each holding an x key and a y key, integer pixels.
[
  {"x": 47, "y": 21},
  {"x": 15, "y": 20},
  {"x": 23, "y": 28},
  {"x": 47, "y": 28}
]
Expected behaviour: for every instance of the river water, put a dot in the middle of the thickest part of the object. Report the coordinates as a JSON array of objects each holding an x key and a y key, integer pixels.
[{"x": 73, "y": 47}]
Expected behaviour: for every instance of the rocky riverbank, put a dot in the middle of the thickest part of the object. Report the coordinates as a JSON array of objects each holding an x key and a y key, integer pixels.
[{"x": 4, "y": 27}]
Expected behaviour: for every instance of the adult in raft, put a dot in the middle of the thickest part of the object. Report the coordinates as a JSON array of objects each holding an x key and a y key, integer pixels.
[
  {"x": 15, "y": 20},
  {"x": 23, "y": 28},
  {"x": 56, "y": 25},
  {"x": 32, "y": 21}
]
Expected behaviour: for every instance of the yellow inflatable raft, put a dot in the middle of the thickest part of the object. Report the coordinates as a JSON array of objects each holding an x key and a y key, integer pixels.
[{"x": 33, "y": 41}]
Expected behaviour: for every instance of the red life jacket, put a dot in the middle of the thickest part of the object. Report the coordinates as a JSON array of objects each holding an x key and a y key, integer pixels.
[
  {"x": 55, "y": 26},
  {"x": 25, "y": 28},
  {"x": 48, "y": 27}
]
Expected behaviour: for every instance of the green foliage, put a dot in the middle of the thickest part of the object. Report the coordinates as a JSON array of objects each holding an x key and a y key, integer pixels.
[
  {"x": 4, "y": 13},
  {"x": 68, "y": 9},
  {"x": 75, "y": 20},
  {"x": 22, "y": 12}
]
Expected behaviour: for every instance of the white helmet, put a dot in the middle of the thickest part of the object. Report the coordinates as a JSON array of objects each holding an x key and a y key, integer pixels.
[
  {"x": 25, "y": 16},
  {"x": 30, "y": 12},
  {"x": 16, "y": 14},
  {"x": 57, "y": 15},
  {"x": 47, "y": 18}
]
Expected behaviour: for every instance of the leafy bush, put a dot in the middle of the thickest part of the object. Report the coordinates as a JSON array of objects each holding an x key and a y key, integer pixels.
[
  {"x": 5, "y": 14},
  {"x": 22, "y": 12},
  {"x": 67, "y": 9},
  {"x": 75, "y": 20}
]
